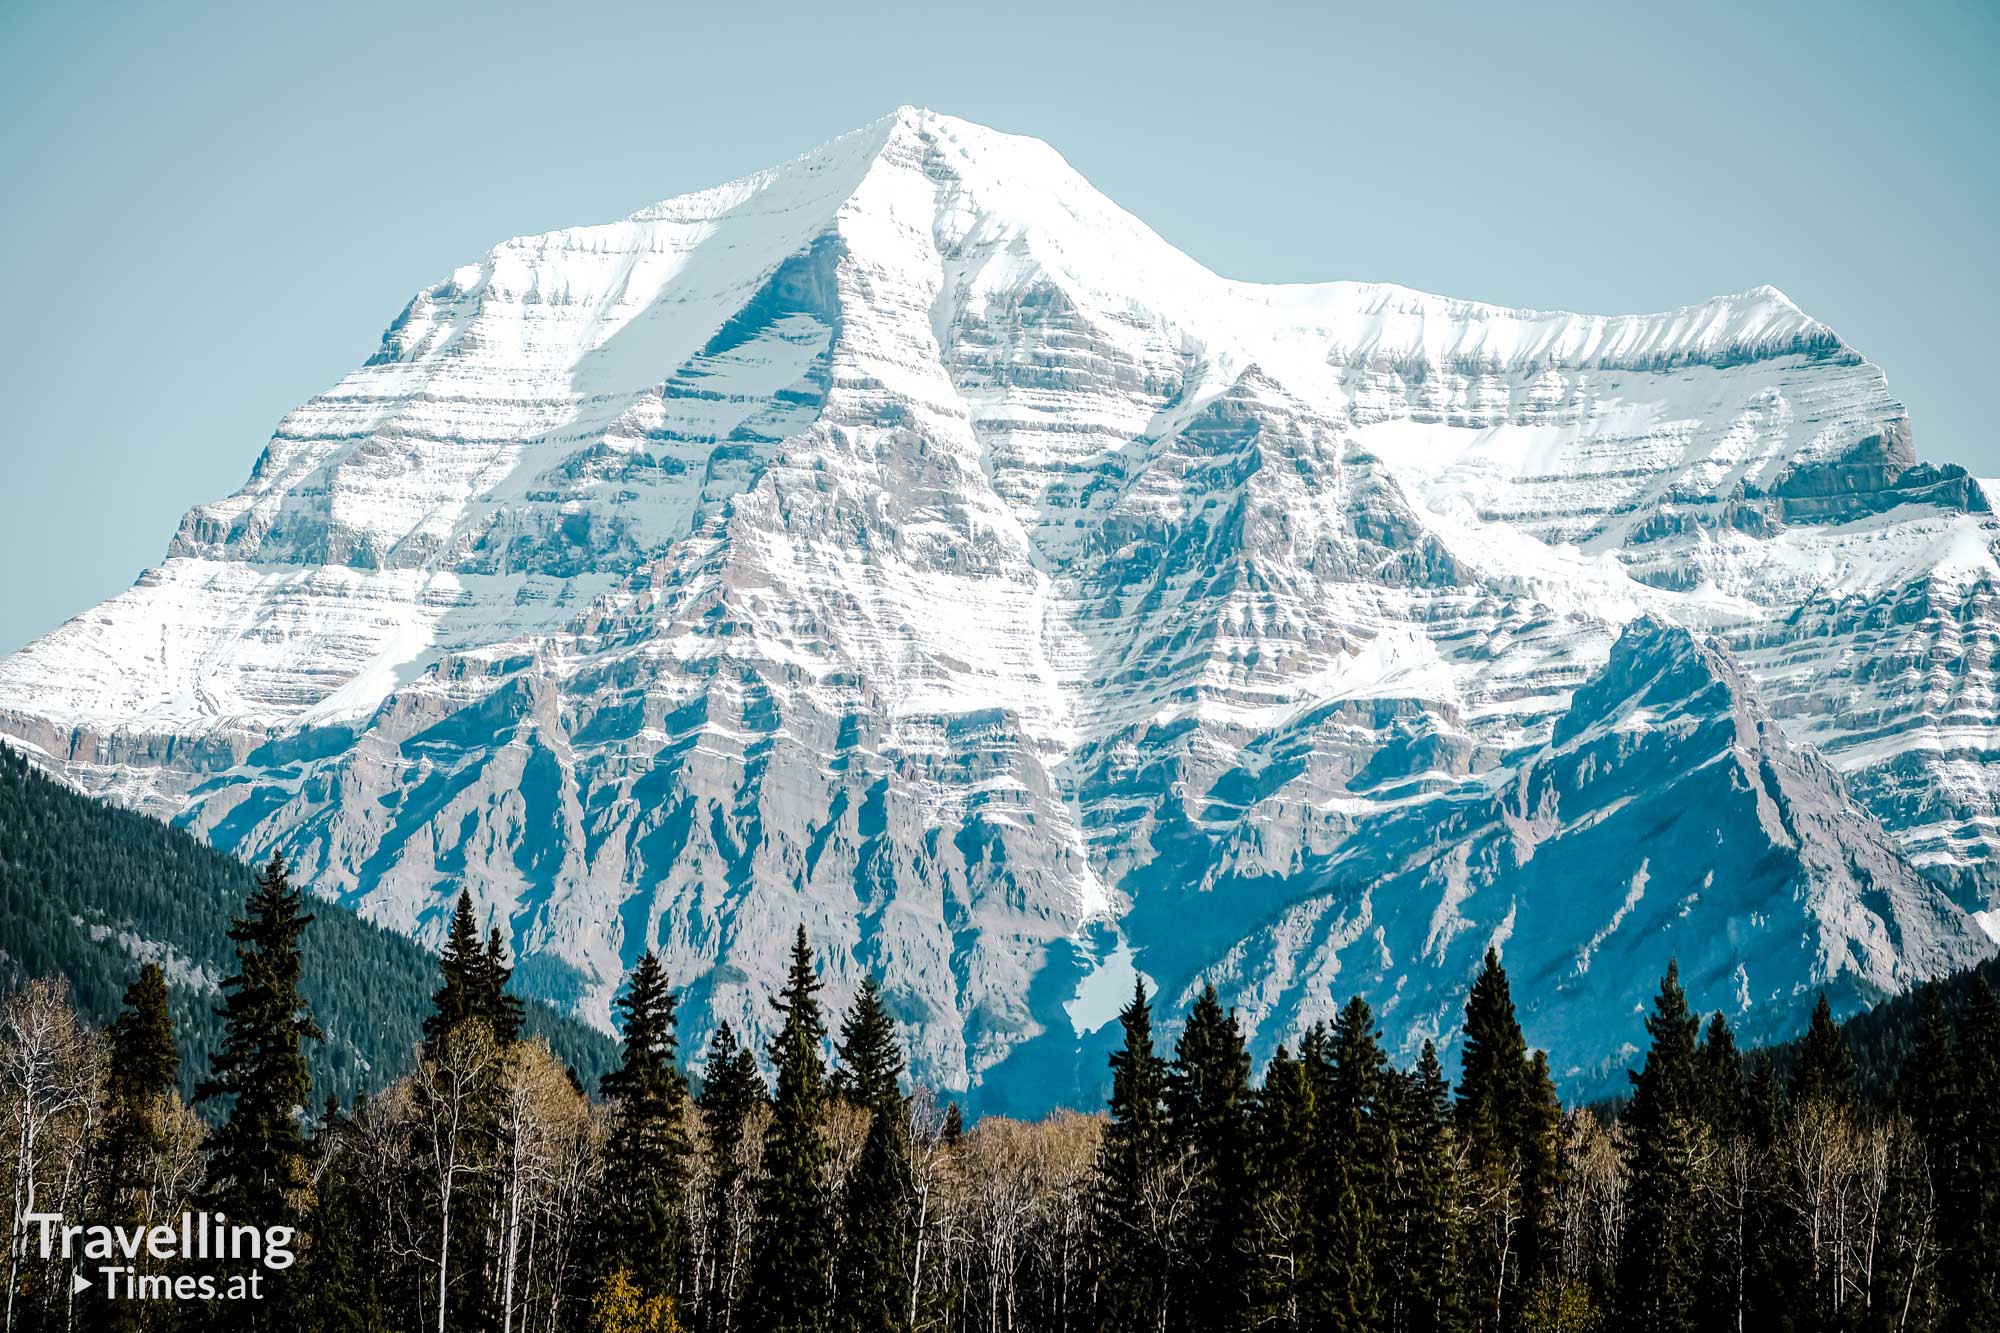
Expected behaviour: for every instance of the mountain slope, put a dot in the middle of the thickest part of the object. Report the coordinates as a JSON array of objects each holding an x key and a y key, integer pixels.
[
  {"x": 908, "y": 542},
  {"x": 1665, "y": 817},
  {"x": 92, "y": 894}
]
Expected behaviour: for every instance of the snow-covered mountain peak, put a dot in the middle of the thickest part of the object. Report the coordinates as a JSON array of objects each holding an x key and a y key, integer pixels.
[{"x": 908, "y": 541}]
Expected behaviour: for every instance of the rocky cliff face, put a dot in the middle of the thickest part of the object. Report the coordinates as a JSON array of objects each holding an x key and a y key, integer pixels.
[{"x": 909, "y": 542}]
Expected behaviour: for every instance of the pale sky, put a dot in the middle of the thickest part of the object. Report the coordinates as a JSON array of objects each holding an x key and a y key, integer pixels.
[{"x": 212, "y": 211}]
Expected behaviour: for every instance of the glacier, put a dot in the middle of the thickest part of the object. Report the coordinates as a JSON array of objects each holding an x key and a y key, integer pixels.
[{"x": 908, "y": 542}]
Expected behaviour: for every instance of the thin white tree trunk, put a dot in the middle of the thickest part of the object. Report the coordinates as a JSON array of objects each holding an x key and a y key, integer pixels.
[
  {"x": 513, "y": 1227},
  {"x": 444, "y": 1251},
  {"x": 24, "y": 1195}
]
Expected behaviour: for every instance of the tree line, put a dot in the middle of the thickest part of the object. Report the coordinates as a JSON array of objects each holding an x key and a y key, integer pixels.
[{"x": 484, "y": 1190}]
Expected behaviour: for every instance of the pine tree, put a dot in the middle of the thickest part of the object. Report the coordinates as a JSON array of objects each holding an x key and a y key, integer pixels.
[
  {"x": 1130, "y": 1219},
  {"x": 1426, "y": 1235},
  {"x": 730, "y": 1095},
  {"x": 1355, "y": 1151},
  {"x": 875, "y": 1233},
  {"x": 1208, "y": 1105},
  {"x": 641, "y": 1219},
  {"x": 257, "y": 1156},
  {"x": 1660, "y": 1270},
  {"x": 791, "y": 1262}
]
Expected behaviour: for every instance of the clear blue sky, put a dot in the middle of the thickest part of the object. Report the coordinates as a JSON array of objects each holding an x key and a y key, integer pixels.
[{"x": 211, "y": 212}]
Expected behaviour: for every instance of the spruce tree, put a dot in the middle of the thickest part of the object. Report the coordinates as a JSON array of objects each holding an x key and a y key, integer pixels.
[
  {"x": 1284, "y": 1135},
  {"x": 1541, "y": 1138},
  {"x": 640, "y": 1214},
  {"x": 1129, "y": 1223},
  {"x": 1355, "y": 1152},
  {"x": 1804, "y": 1280},
  {"x": 461, "y": 1103},
  {"x": 144, "y": 1060},
  {"x": 257, "y": 1169},
  {"x": 791, "y": 1265},
  {"x": 1426, "y": 1234},
  {"x": 1720, "y": 1075},
  {"x": 1825, "y": 1070},
  {"x": 1660, "y": 1270},
  {"x": 1767, "y": 1268},
  {"x": 1507, "y": 1116},
  {"x": 1931, "y": 1088},
  {"x": 1208, "y": 1105},
  {"x": 1933, "y": 1094},
  {"x": 730, "y": 1091},
  {"x": 1972, "y": 1275},
  {"x": 351, "y": 1272},
  {"x": 876, "y": 1223},
  {"x": 730, "y": 1094},
  {"x": 257, "y": 1157},
  {"x": 144, "y": 1069},
  {"x": 1726, "y": 1236},
  {"x": 462, "y": 993},
  {"x": 869, "y": 1063},
  {"x": 503, "y": 1011}
]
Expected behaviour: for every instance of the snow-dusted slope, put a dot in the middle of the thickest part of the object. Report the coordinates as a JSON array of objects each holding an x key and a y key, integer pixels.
[{"x": 908, "y": 541}]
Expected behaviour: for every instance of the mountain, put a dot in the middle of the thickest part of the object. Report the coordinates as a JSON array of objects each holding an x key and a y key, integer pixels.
[
  {"x": 92, "y": 894},
  {"x": 908, "y": 542}
]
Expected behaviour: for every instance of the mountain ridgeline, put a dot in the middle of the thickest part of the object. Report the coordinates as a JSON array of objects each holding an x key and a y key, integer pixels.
[{"x": 90, "y": 893}]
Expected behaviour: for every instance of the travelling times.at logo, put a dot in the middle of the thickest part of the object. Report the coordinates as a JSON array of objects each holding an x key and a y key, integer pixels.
[{"x": 126, "y": 1261}]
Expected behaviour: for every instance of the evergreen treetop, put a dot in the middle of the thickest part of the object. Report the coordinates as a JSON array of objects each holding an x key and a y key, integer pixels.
[
  {"x": 504, "y": 1011},
  {"x": 257, "y": 1162},
  {"x": 144, "y": 1059},
  {"x": 646, "y": 1156},
  {"x": 870, "y": 1062},
  {"x": 731, "y": 1086},
  {"x": 461, "y": 964},
  {"x": 791, "y": 1262},
  {"x": 1825, "y": 1071}
]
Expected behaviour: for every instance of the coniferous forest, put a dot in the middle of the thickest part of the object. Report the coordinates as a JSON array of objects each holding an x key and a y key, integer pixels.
[
  {"x": 490, "y": 1189},
  {"x": 89, "y": 891}
]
